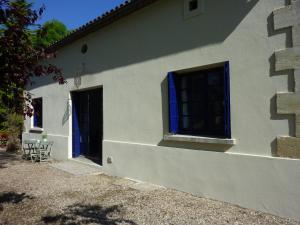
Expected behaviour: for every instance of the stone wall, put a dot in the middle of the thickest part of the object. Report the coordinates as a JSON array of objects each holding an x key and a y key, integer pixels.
[{"x": 289, "y": 103}]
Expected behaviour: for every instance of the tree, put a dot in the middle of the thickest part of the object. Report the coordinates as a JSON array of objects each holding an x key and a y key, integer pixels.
[
  {"x": 49, "y": 33},
  {"x": 19, "y": 58}
]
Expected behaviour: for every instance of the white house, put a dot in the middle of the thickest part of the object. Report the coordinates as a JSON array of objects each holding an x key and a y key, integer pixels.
[{"x": 196, "y": 95}]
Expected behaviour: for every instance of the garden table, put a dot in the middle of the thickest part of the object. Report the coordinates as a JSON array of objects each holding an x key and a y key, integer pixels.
[{"x": 37, "y": 149}]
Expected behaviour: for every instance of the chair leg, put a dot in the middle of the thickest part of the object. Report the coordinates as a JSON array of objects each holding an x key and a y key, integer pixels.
[{"x": 31, "y": 157}]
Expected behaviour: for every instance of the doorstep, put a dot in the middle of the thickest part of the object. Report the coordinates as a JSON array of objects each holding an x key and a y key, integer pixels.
[{"x": 77, "y": 168}]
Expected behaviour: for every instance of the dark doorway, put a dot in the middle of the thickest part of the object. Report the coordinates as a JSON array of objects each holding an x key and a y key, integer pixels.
[{"x": 87, "y": 118}]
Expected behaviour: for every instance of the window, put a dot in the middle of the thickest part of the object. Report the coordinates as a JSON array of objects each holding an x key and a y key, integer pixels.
[
  {"x": 193, "y": 5},
  {"x": 38, "y": 112},
  {"x": 192, "y": 8},
  {"x": 199, "y": 102}
]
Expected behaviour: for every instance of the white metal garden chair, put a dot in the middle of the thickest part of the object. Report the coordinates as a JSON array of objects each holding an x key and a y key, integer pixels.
[
  {"x": 43, "y": 151},
  {"x": 29, "y": 147}
]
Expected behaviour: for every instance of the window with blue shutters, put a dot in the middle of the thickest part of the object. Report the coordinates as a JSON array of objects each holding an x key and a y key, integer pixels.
[
  {"x": 37, "y": 112},
  {"x": 199, "y": 102}
]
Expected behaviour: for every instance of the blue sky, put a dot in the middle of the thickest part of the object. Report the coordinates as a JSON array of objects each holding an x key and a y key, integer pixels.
[{"x": 74, "y": 13}]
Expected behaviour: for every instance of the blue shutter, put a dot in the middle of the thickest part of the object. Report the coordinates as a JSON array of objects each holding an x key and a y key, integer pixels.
[
  {"x": 37, "y": 112},
  {"x": 173, "y": 105},
  {"x": 227, "y": 126},
  {"x": 75, "y": 131},
  {"x": 35, "y": 119}
]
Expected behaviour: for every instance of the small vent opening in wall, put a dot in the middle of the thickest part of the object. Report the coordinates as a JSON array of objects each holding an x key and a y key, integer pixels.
[
  {"x": 84, "y": 48},
  {"x": 193, "y": 5},
  {"x": 193, "y": 8}
]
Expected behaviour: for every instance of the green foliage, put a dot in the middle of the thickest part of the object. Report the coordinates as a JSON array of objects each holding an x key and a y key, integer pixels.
[
  {"x": 14, "y": 123},
  {"x": 14, "y": 126},
  {"x": 19, "y": 57},
  {"x": 3, "y": 111},
  {"x": 19, "y": 62},
  {"x": 49, "y": 33}
]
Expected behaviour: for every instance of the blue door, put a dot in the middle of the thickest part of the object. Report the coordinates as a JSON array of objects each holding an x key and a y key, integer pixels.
[
  {"x": 87, "y": 124},
  {"x": 75, "y": 126},
  {"x": 80, "y": 123}
]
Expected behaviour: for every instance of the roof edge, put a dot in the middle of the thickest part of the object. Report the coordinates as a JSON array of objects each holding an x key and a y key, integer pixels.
[{"x": 104, "y": 20}]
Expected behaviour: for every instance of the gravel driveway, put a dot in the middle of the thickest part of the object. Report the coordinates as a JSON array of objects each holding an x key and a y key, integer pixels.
[{"x": 40, "y": 194}]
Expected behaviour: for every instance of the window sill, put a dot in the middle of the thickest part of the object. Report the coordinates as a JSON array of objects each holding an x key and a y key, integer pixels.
[
  {"x": 197, "y": 139},
  {"x": 36, "y": 130}
]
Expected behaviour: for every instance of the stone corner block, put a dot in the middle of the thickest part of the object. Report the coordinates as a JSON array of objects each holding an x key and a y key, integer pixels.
[{"x": 288, "y": 147}]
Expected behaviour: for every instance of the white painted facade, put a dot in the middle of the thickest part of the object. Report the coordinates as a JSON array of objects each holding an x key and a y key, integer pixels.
[{"x": 130, "y": 59}]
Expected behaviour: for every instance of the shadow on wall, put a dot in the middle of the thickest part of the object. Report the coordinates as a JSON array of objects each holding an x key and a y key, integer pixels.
[
  {"x": 274, "y": 116},
  {"x": 195, "y": 146},
  {"x": 158, "y": 31},
  {"x": 89, "y": 214},
  {"x": 165, "y": 105},
  {"x": 67, "y": 113},
  {"x": 288, "y": 73}
]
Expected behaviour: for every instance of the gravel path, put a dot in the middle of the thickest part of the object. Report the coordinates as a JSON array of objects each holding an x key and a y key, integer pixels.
[{"x": 40, "y": 194}]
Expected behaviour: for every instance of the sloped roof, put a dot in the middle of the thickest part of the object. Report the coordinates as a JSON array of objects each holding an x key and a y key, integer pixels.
[{"x": 125, "y": 9}]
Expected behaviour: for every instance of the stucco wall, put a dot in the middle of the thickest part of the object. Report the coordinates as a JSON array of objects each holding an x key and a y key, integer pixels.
[
  {"x": 130, "y": 60},
  {"x": 268, "y": 184}
]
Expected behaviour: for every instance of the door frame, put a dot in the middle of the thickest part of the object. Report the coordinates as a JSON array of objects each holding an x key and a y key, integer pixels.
[{"x": 70, "y": 111}]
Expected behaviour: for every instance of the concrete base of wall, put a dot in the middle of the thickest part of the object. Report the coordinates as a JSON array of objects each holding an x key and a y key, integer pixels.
[
  {"x": 288, "y": 147},
  {"x": 268, "y": 184}
]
